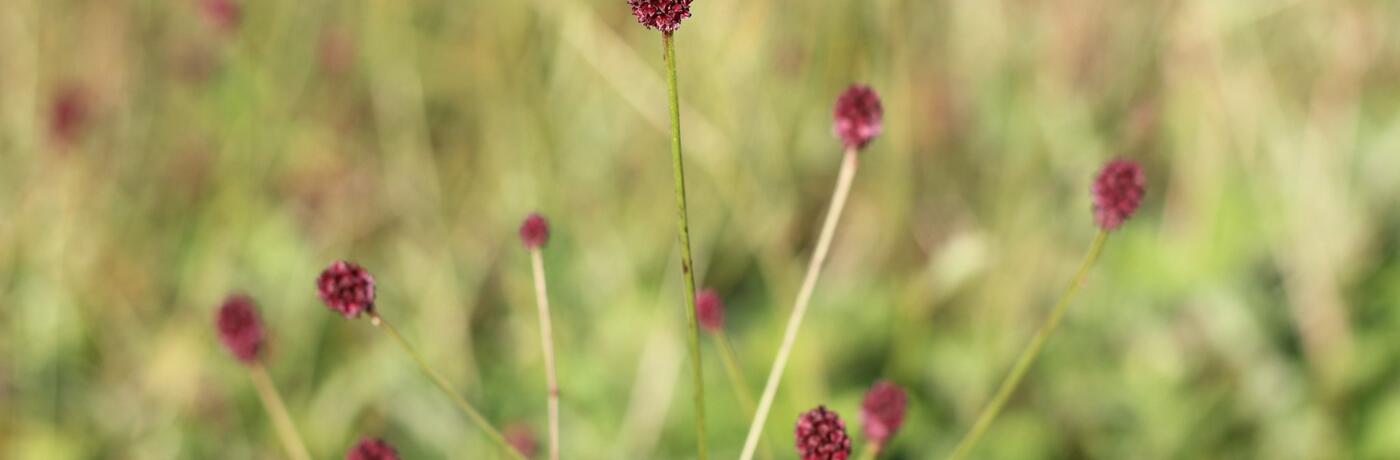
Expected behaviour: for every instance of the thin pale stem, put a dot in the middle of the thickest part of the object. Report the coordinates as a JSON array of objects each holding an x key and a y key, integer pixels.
[
  {"x": 281, "y": 419},
  {"x": 736, "y": 379},
  {"x": 547, "y": 344},
  {"x": 683, "y": 228},
  {"x": 871, "y": 451},
  {"x": 1023, "y": 363},
  {"x": 804, "y": 297},
  {"x": 466, "y": 407}
]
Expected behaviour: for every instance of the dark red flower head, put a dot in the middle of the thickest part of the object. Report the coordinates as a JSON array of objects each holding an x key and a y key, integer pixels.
[
  {"x": 346, "y": 288},
  {"x": 222, "y": 14},
  {"x": 534, "y": 231},
  {"x": 822, "y": 436},
  {"x": 68, "y": 113},
  {"x": 662, "y": 15},
  {"x": 858, "y": 116},
  {"x": 709, "y": 310},
  {"x": 519, "y": 436},
  {"x": 372, "y": 449},
  {"x": 1118, "y": 191},
  {"x": 882, "y": 411},
  {"x": 239, "y": 328}
]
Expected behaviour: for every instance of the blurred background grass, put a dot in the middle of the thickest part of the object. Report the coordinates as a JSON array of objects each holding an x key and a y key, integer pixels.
[{"x": 157, "y": 155}]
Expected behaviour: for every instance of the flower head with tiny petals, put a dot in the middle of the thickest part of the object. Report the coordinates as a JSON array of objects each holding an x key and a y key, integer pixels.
[
  {"x": 1118, "y": 190},
  {"x": 239, "y": 328},
  {"x": 662, "y": 15},
  {"x": 882, "y": 411},
  {"x": 534, "y": 231},
  {"x": 709, "y": 310},
  {"x": 821, "y": 435},
  {"x": 346, "y": 288},
  {"x": 857, "y": 116},
  {"x": 372, "y": 449}
]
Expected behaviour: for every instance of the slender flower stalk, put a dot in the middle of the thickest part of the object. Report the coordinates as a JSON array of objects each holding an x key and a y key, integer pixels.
[
  {"x": 281, "y": 419},
  {"x": 1117, "y": 192},
  {"x": 804, "y": 297},
  {"x": 534, "y": 233},
  {"x": 1023, "y": 363},
  {"x": 241, "y": 331},
  {"x": 348, "y": 289},
  {"x": 683, "y": 229}
]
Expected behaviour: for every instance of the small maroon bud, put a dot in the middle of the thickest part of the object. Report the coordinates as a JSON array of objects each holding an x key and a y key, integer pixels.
[
  {"x": 822, "y": 436},
  {"x": 519, "y": 436},
  {"x": 346, "y": 288},
  {"x": 68, "y": 113},
  {"x": 222, "y": 14},
  {"x": 709, "y": 311},
  {"x": 662, "y": 15},
  {"x": 372, "y": 449},
  {"x": 1118, "y": 190},
  {"x": 857, "y": 116},
  {"x": 882, "y": 411},
  {"x": 239, "y": 328},
  {"x": 534, "y": 231}
]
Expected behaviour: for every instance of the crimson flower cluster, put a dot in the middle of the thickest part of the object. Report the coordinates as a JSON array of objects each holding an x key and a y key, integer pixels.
[
  {"x": 821, "y": 435},
  {"x": 240, "y": 330},
  {"x": 662, "y": 15},
  {"x": 857, "y": 116},
  {"x": 534, "y": 231},
  {"x": 372, "y": 449},
  {"x": 882, "y": 411},
  {"x": 346, "y": 288},
  {"x": 709, "y": 310},
  {"x": 1117, "y": 192}
]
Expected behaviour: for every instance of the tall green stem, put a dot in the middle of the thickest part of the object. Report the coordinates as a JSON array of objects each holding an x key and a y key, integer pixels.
[
  {"x": 678, "y": 169},
  {"x": 1023, "y": 363},
  {"x": 547, "y": 344},
  {"x": 281, "y": 419},
  {"x": 466, "y": 407}
]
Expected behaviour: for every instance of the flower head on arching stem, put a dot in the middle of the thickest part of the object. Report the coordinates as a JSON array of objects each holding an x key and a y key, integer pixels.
[
  {"x": 240, "y": 329},
  {"x": 857, "y": 116},
  {"x": 1118, "y": 190},
  {"x": 346, "y": 288}
]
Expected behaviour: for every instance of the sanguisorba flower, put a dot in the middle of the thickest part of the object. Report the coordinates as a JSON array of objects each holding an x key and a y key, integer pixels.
[
  {"x": 857, "y": 116},
  {"x": 709, "y": 310},
  {"x": 346, "y": 288},
  {"x": 1118, "y": 191},
  {"x": 222, "y": 14},
  {"x": 663, "y": 15},
  {"x": 534, "y": 231},
  {"x": 68, "y": 113},
  {"x": 372, "y": 449},
  {"x": 882, "y": 411},
  {"x": 521, "y": 438},
  {"x": 821, "y": 435},
  {"x": 240, "y": 329}
]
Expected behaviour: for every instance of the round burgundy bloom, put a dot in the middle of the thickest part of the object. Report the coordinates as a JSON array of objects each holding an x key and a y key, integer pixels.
[
  {"x": 222, "y": 14},
  {"x": 1118, "y": 191},
  {"x": 857, "y": 116},
  {"x": 346, "y": 288},
  {"x": 534, "y": 231},
  {"x": 372, "y": 449},
  {"x": 68, "y": 113},
  {"x": 663, "y": 15},
  {"x": 821, "y": 435},
  {"x": 709, "y": 310},
  {"x": 239, "y": 328},
  {"x": 519, "y": 436},
  {"x": 882, "y": 411}
]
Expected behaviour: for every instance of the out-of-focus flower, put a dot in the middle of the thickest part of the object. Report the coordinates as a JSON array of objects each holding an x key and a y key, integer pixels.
[
  {"x": 882, "y": 411},
  {"x": 709, "y": 310},
  {"x": 534, "y": 231},
  {"x": 519, "y": 436},
  {"x": 372, "y": 449},
  {"x": 239, "y": 328},
  {"x": 1118, "y": 190},
  {"x": 857, "y": 116}
]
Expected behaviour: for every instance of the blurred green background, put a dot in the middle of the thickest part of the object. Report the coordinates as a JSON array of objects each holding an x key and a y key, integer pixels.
[{"x": 156, "y": 156}]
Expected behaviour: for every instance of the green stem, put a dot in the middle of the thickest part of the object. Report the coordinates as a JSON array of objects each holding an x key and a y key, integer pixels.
[
  {"x": 461, "y": 402},
  {"x": 281, "y": 419},
  {"x": 1023, "y": 363},
  {"x": 547, "y": 344},
  {"x": 678, "y": 169},
  {"x": 736, "y": 379}
]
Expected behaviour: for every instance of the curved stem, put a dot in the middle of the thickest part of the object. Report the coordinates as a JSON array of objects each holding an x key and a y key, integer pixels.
[
  {"x": 466, "y": 407},
  {"x": 281, "y": 419},
  {"x": 736, "y": 379},
  {"x": 804, "y": 296},
  {"x": 547, "y": 344},
  {"x": 1023, "y": 363},
  {"x": 683, "y": 228}
]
